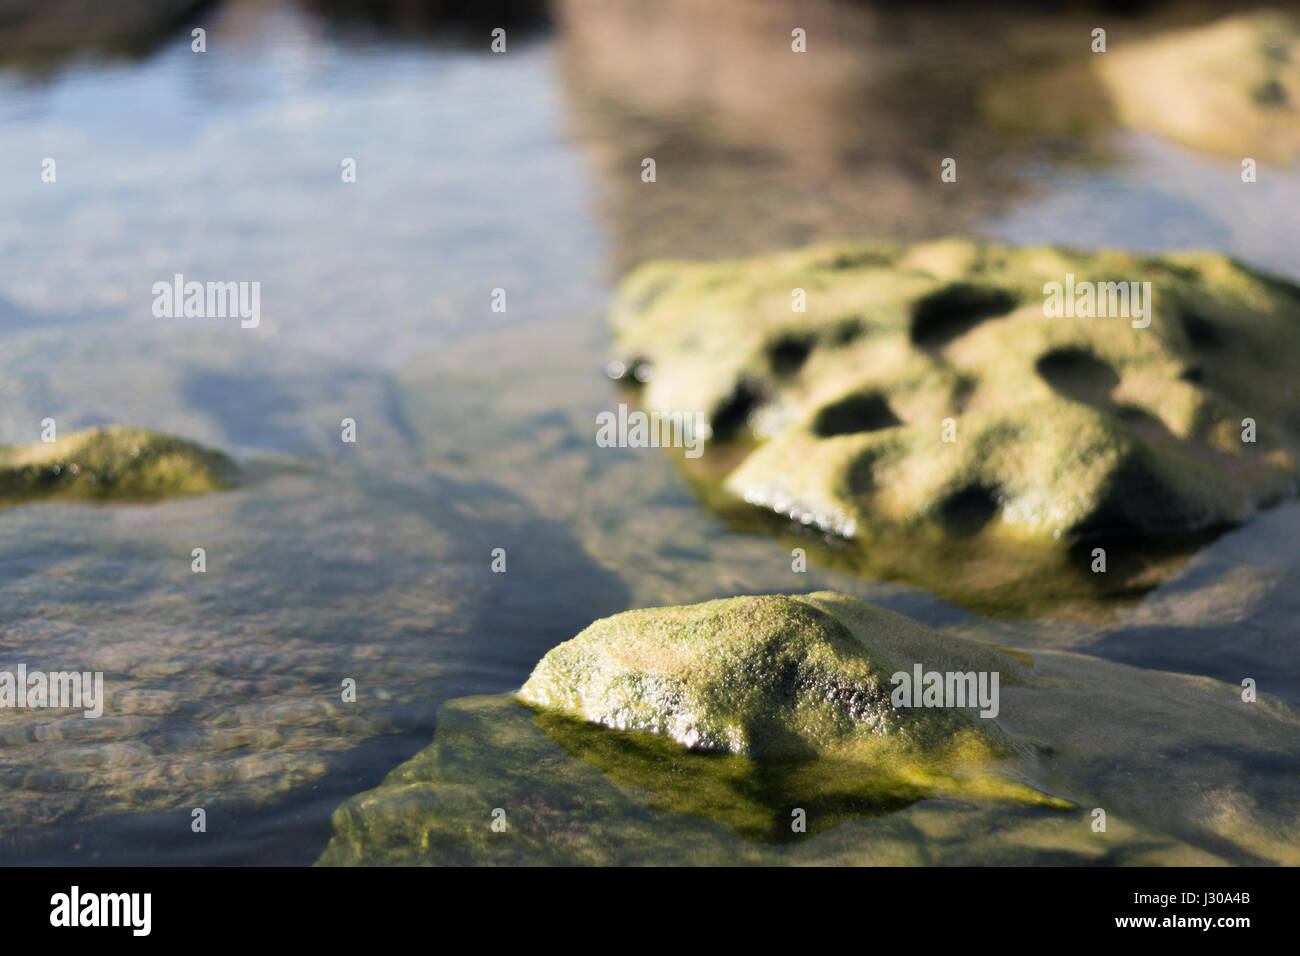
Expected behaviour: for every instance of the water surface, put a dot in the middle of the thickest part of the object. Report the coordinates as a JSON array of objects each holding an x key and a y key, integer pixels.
[{"x": 475, "y": 172}]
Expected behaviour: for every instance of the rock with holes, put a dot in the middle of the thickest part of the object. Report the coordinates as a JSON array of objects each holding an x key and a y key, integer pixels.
[
  {"x": 116, "y": 463},
  {"x": 933, "y": 390}
]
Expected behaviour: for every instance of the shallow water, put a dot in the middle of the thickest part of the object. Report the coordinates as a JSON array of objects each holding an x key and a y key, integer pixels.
[{"x": 372, "y": 560}]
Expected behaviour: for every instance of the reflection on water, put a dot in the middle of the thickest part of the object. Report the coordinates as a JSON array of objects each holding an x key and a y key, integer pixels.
[
  {"x": 39, "y": 37},
  {"x": 354, "y": 561},
  {"x": 475, "y": 172},
  {"x": 760, "y": 149}
]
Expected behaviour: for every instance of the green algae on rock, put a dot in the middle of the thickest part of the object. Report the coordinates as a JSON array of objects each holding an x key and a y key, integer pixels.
[
  {"x": 1230, "y": 87},
  {"x": 563, "y": 807},
  {"x": 1146, "y": 745},
  {"x": 115, "y": 463},
  {"x": 1063, "y": 429},
  {"x": 740, "y": 711},
  {"x": 777, "y": 698},
  {"x": 768, "y": 677},
  {"x": 578, "y": 794}
]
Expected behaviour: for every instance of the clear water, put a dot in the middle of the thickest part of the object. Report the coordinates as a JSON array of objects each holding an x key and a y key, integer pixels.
[{"x": 475, "y": 172}]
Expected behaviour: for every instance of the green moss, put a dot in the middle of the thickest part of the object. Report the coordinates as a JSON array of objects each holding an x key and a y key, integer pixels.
[
  {"x": 756, "y": 799},
  {"x": 770, "y": 677},
  {"x": 743, "y": 708},
  {"x": 782, "y": 701},
  {"x": 1065, "y": 429},
  {"x": 111, "y": 464},
  {"x": 576, "y": 793}
]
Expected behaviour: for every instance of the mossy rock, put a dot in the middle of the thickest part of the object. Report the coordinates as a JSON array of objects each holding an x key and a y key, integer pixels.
[
  {"x": 1231, "y": 87},
  {"x": 769, "y": 677},
  {"x": 509, "y": 782},
  {"x": 720, "y": 719},
  {"x": 573, "y": 793},
  {"x": 111, "y": 464},
  {"x": 1066, "y": 429},
  {"x": 795, "y": 692}
]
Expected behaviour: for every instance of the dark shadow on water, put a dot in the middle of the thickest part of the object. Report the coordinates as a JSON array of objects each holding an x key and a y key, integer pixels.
[
  {"x": 1207, "y": 652},
  {"x": 268, "y": 409}
]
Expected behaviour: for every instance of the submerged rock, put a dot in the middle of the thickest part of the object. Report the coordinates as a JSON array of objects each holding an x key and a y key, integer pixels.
[
  {"x": 507, "y": 781},
  {"x": 243, "y": 711},
  {"x": 927, "y": 394},
  {"x": 768, "y": 677},
  {"x": 1231, "y": 87},
  {"x": 802, "y": 688},
  {"x": 116, "y": 463},
  {"x": 746, "y": 713}
]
